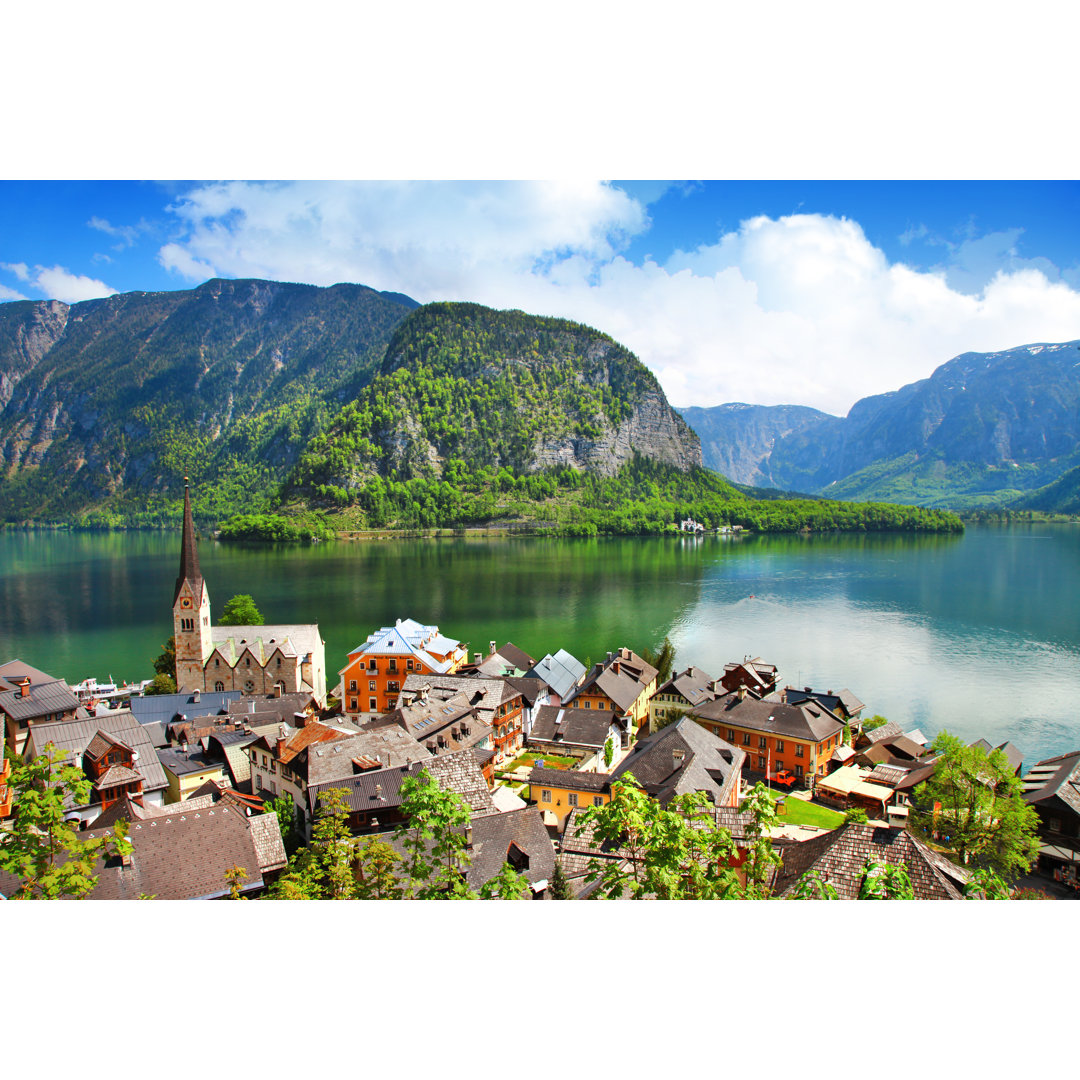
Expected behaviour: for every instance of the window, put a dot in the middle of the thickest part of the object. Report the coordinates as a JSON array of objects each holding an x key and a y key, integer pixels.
[
  {"x": 730, "y": 735},
  {"x": 798, "y": 750},
  {"x": 601, "y": 704},
  {"x": 798, "y": 771},
  {"x": 779, "y": 746},
  {"x": 545, "y": 796},
  {"x": 264, "y": 761},
  {"x": 762, "y": 742},
  {"x": 187, "y": 624},
  {"x": 371, "y": 686},
  {"x": 392, "y": 665},
  {"x": 354, "y": 704},
  {"x": 588, "y": 704},
  {"x": 217, "y": 662},
  {"x": 408, "y": 664},
  {"x": 598, "y": 800},
  {"x": 219, "y": 686},
  {"x": 249, "y": 687},
  {"x": 572, "y": 798},
  {"x": 760, "y": 762},
  {"x": 373, "y": 664},
  {"x": 373, "y": 704},
  {"x": 352, "y": 686},
  {"x": 279, "y": 661},
  {"x": 746, "y": 738},
  {"x": 779, "y": 765}
]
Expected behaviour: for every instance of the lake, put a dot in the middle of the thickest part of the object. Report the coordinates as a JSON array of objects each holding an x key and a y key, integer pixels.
[{"x": 977, "y": 633}]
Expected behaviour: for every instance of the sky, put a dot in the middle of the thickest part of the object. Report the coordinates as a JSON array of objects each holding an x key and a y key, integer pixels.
[{"x": 813, "y": 293}]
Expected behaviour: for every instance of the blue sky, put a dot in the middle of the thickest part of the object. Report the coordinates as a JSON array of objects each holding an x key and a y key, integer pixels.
[{"x": 813, "y": 293}]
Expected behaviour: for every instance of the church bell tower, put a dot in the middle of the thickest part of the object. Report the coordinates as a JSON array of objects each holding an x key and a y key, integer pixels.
[{"x": 191, "y": 611}]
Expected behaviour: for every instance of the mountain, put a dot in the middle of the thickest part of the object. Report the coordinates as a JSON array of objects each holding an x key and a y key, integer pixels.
[
  {"x": 464, "y": 387},
  {"x": 111, "y": 402},
  {"x": 983, "y": 429},
  {"x": 737, "y": 440}
]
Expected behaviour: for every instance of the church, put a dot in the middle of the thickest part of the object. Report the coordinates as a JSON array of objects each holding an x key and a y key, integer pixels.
[{"x": 251, "y": 659}]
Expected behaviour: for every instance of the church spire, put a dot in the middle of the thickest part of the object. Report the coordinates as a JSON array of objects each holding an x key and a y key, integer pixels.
[{"x": 189, "y": 553}]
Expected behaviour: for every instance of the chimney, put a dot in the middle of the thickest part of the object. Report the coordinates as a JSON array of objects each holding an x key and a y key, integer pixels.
[
  {"x": 195, "y": 697},
  {"x": 378, "y": 792},
  {"x": 741, "y": 691},
  {"x": 807, "y": 690},
  {"x": 183, "y": 746},
  {"x": 615, "y": 666},
  {"x": 126, "y": 859},
  {"x": 715, "y": 686},
  {"x": 610, "y": 656},
  {"x": 479, "y": 658},
  {"x": 24, "y": 687},
  {"x": 677, "y": 758},
  {"x": 281, "y": 747},
  {"x": 491, "y": 648}
]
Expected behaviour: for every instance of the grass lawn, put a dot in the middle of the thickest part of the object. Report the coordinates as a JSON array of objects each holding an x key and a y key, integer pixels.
[
  {"x": 800, "y": 812},
  {"x": 550, "y": 761}
]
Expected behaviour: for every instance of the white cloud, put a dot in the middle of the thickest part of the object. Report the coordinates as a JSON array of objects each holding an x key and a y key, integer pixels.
[
  {"x": 58, "y": 283},
  {"x": 799, "y": 309},
  {"x": 10, "y": 294},
  {"x": 20, "y": 270}
]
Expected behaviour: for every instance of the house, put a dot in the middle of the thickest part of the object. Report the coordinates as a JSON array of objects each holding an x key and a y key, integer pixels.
[
  {"x": 189, "y": 768},
  {"x": 7, "y": 793},
  {"x": 683, "y": 691},
  {"x": 872, "y": 790},
  {"x": 185, "y": 855},
  {"x": 499, "y": 663},
  {"x": 578, "y": 732},
  {"x": 518, "y": 838},
  {"x": 251, "y": 659},
  {"x": 1011, "y": 751},
  {"x": 133, "y": 753},
  {"x": 683, "y": 758},
  {"x": 167, "y": 709},
  {"x": 373, "y": 795},
  {"x": 622, "y": 686},
  {"x": 28, "y": 697},
  {"x": 754, "y": 674},
  {"x": 559, "y": 791},
  {"x": 440, "y": 725},
  {"x": 1053, "y": 788},
  {"x": 560, "y": 672},
  {"x": 843, "y": 704},
  {"x": 775, "y": 737},
  {"x": 371, "y": 678},
  {"x": 497, "y": 702},
  {"x": 840, "y": 856}
]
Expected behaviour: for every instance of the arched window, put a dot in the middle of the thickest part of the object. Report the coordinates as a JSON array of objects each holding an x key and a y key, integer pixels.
[
  {"x": 219, "y": 686},
  {"x": 249, "y": 687}
]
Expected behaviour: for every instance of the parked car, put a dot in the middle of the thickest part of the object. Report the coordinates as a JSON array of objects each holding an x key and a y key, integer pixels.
[{"x": 783, "y": 777}]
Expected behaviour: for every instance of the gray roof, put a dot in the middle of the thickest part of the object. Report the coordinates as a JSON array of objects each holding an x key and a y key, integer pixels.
[
  {"x": 693, "y": 684},
  {"x": 1056, "y": 777},
  {"x": 570, "y": 779},
  {"x": 492, "y": 838},
  {"x": 181, "y": 763},
  {"x": 72, "y": 737},
  {"x": 484, "y": 695},
  {"x": 560, "y": 671},
  {"x": 586, "y": 728},
  {"x": 163, "y": 708},
  {"x": 682, "y": 758},
  {"x": 840, "y": 857},
  {"x": 793, "y": 721},
  {"x": 332, "y": 761},
  {"x": 290, "y": 640},
  {"x": 14, "y": 671},
  {"x": 886, "y": 731},
  {"x": 43, "y": 699}
]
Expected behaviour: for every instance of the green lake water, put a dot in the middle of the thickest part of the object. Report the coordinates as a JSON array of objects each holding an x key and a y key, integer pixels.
[{"x": 977, "y": 633}]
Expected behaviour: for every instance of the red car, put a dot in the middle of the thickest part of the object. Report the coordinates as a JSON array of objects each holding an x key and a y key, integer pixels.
[{"x": 783, "y": 777}]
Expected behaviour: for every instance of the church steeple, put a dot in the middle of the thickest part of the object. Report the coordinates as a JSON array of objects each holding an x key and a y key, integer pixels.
[{"x": 189, "y": 553}]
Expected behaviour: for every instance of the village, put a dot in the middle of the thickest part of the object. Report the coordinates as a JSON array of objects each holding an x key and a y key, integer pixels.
[{"x": 530, "y": 746}]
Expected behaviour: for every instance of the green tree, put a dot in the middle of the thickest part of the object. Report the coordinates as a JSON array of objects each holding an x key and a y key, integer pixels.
[
  {"x": 609, "y": 751},
  {"x": 435, "y": 838},
  {"x": 855, "y": 815},
  {"x": 165, "y": 664},
  {"x": 376, "y": 879},
  {"x": 285, "y": 809},
  {"x": 240, "y": 610},
  {"x": 974, "y": 803},
  {"x": 49, "y": 855},
  {"x": 559, "y": 887},
  {"x": 988, "y": 885},
  {"x": 663, "y": 660},
  {"x": 323, "y": 870},
  {"x": 812, "y": 886},
  {"x": 507, "y": 884},
  {"x": 235, "y": 877},
  {"x": 885, "y": 881},
  {"x": 161, "y": 684}
]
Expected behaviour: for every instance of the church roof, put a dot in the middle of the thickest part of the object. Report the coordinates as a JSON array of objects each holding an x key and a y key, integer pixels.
[
  {"x": 263, "y": 641},
  {"x": 189, "y": 553}
]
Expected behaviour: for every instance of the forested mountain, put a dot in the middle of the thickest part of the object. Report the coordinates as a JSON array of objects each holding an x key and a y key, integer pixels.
[
  {"x": 982, "y": 430},
  {"x": 109, "y": 403}
]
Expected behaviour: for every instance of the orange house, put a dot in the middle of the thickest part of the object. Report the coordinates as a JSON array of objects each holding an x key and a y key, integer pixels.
[{"x": 376, "y": 670}]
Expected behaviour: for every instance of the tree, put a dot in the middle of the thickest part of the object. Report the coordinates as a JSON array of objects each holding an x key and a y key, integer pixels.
[
  {"x": 285, "y": 809},
  {"x": 165, "y": 664},
  {"x": 812, "y": 886},
  {"x": 235, "y": 877},
  {"x": 434, "y": 836},
  {"x": 161, "y": 684},
  {"x": 375, "y": 872},
  {"x": 855, "y": 815},
  {"x": 560, "y": 887},
  {"x": 240, "y": 610},
  {"x": 974, "y": 804},
  {"x": 609, "y": 751},
  {"x": 507, "y": 884},
  {"x": 663, "y": 660},
  {"x": 48, "y": 854},
  {"x": 673, "y": 853},
  {"x": 885, "y": 881},
  {"x": 323, "y": 870},
  {"x": 760, "y": 857}
]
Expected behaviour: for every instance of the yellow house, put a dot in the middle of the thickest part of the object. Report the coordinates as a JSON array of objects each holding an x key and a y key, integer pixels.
[
  {"x": 187, "y": 771},
  {"x": 557, "y": 792},
  {"x": 622, "y": 685}
]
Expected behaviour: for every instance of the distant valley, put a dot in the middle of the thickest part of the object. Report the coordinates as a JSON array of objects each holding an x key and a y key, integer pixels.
[{"x": 984, "y": 430}]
